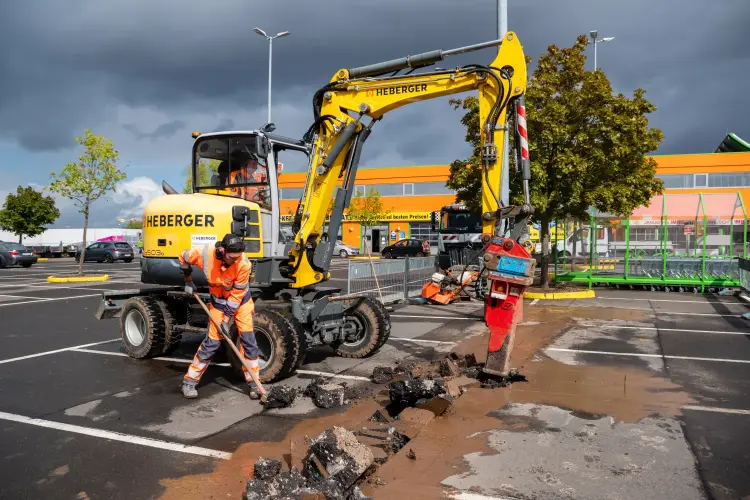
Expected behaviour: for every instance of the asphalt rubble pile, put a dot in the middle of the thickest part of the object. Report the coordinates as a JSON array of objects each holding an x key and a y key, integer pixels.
[
  {"x": 337, "y": 462},
  {"x": 334, "y": 462},
  {"x": 323, "y": 393},
  {"x": 435, "y": 386}
]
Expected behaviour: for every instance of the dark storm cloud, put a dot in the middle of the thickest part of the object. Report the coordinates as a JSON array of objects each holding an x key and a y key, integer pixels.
[
  {"x": 67, "y": 65},
  {"x": 162, "y": 131}
]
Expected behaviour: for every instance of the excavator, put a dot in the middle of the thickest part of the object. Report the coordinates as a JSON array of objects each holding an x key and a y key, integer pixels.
[{"x": 295, "y": 311}]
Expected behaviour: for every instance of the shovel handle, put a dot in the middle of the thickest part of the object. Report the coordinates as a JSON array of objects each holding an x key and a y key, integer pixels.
[{"x": 254, "y": 375}]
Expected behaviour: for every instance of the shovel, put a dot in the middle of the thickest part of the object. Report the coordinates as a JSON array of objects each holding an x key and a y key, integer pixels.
[{"x": 256, "y": 379}]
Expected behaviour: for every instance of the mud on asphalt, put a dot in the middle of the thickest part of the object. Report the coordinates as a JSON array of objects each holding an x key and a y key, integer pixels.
[{"x": 632, "y": 394}]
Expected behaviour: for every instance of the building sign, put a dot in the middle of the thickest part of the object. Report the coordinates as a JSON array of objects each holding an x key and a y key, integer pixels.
[{"x": 393, "y": 216}]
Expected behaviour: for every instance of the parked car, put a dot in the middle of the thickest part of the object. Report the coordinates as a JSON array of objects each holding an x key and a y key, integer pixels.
[
  {"x": 406, "y": 248},
  {"x": 343, "y": 250},
  {"x": 107, "y": 251},
  {"x": 12, "y": 254}
]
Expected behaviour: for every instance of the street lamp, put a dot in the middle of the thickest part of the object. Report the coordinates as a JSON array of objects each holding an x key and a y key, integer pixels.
[
  {"x": 593, "y": 35},
  {"x": 270, "y": 48}
]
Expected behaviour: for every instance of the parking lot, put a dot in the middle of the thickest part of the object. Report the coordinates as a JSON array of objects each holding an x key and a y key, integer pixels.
[{"x": 81, "y": 420}]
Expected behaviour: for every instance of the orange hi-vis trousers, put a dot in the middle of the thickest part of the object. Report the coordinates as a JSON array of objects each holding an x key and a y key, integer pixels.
[{"x": 243, "y": 319}]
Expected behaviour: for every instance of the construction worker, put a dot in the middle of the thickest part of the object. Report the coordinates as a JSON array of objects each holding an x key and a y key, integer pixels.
[
  {"x": 244, "y": 169},
  {"x": 227, "y": 271}
]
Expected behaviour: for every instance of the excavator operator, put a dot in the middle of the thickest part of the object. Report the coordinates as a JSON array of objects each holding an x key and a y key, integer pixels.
[
  {"x": 243, "y": 168},
  {"x": 227, "y": 271}
]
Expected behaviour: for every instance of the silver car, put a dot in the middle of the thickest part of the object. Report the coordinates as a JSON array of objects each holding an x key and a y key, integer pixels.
[{"x": 343, "y": 250}]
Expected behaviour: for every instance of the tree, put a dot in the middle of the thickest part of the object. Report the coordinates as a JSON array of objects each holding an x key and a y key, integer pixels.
[
  {"x": 367, "y": 209},
  {"x": 587, "y": 145},
  {"x": 134, "y": 224},
  {"x": 89, "y": 179},
  {"x": 205, "y": 171},
  {"x": 27, "y": 212}
]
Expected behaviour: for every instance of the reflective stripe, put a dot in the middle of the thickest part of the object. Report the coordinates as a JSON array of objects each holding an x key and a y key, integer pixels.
[
  {"x": 186, "y": 256},
  {"x": 206, "y": 265},
  {"x": 232, "y": 305},
  {"x": 226, "y": 288},
  {"x": 240, "y": 287},
  {"x": 218, "y": 300}
]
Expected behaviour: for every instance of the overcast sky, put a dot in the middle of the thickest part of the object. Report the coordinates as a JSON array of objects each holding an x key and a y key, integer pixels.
[{"x": 147, "y": 73}]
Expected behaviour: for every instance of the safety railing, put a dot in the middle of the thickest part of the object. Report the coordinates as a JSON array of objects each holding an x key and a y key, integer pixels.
[{"x": 389, "y": 280}]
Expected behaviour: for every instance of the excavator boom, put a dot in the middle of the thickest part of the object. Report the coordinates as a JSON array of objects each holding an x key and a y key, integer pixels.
[{"x": 352, "y": 102}]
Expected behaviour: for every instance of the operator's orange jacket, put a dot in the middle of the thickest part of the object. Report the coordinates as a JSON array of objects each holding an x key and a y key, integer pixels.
[{"x": 228, "y": 286}]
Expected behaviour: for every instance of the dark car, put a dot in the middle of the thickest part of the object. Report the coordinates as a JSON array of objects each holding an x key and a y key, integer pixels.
[
  {"x": 12, "y": 254},
  {"x": 406, "y": 248},
  {"x": 107, "y": 251}
]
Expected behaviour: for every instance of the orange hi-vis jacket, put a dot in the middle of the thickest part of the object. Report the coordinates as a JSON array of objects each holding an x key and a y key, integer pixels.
[{"x": 228, "y": 286}]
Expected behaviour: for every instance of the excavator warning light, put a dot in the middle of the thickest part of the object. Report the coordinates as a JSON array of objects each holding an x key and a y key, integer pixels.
[{"x": 195, "y": 135}]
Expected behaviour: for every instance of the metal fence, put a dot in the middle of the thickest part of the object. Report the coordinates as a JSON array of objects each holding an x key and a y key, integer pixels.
[
  {"x": 679, "y": 242},
  {"x": 389, "y": 280}
]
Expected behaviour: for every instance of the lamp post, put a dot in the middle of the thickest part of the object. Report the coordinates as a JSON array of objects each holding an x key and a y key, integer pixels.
[
  {"x": 593, "y": 35},
  {"x": 270, "y": 54}
]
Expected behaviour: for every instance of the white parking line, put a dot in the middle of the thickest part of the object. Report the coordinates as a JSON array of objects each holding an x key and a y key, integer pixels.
[
  {"x": 405, "y": 339},
  {"x": 161, "y": 358},
  {"x": 430, "y": 317},
  {"x": 117, "y": 436},
  {"x": 50, "y": 299},
  {"x": 642, "y": 355},
  {"x": 674, "y": 330},
  {"x": 332, "y": 375},
  {"x": 15, "y": 296},
  {"x": 45, "y": 353},
  {"x": 714, "y": 409},
  {"x": 534, "y": 302}
]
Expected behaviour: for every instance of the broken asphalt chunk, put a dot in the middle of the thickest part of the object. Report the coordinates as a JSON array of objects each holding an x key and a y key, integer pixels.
[
  {"x": 336, "y": 453},
  {"x": 448, "y": 368},
  {"x": 281, "y": 396},
  {"x": 439, "y": 405},
  {"x": 408, "y": 392},
  {"x": 327, "y": 395},
  {"x": 382, "y": 374},
  {"x": 266, "y": 468}
]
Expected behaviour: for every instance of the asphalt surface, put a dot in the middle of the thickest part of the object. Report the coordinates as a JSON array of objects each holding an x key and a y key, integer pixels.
[
  {"x": 700, "y": 342},
  {"x": 79, "y": 419}
]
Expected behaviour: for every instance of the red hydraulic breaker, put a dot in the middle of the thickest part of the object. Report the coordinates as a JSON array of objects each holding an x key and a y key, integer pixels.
[{"x": 510, "y": 270}]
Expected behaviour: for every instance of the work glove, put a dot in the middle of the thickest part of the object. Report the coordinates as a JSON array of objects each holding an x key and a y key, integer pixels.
[{"x": 190, "y": 288}]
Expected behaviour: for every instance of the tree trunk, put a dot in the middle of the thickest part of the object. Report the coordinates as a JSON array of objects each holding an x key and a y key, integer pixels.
[
  {"x": 20, "y": 239},
  {"x": 83, "y": 247},
  {"x": 545, "y": 253}
]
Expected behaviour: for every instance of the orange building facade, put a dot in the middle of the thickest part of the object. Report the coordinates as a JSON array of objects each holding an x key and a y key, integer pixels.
[{"x": 410, "y": 193}]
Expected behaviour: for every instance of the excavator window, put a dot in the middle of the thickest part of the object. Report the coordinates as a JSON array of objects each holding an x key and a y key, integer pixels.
[
  {"x": 461, "y": 221},
  {"x": 232, "y": 166}
]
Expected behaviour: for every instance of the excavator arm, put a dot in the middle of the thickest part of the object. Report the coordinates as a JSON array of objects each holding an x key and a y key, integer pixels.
[{"x": 348, "y": 107}]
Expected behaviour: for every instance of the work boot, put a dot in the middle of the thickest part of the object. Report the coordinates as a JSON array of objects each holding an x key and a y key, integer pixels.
[
  {"x": 252, "y": 391},
  {"x": 189, "y": 391}
]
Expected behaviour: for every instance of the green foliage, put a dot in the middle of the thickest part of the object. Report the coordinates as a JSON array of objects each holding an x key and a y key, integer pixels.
[
  {"x": 27, "y": 212},
  {"x": 135, "y": 224},
  {"x": 587, "y": 145},
  {"x": 94, "y": 175},
  {"x": 205, "y": 171},
  {"x": 367, "y": 209}
]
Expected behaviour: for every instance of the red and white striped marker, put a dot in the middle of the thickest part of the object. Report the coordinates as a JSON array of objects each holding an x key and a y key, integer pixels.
[{"x": 522, "y": 133}]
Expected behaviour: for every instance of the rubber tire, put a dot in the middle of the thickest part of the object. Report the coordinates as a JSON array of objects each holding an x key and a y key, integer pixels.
[
  {"x": 27, "y": 264},
  {"x": 153, "y": 344},
  {"x": 171, "y": 316},
  {"x": 108, "y": 259},
  {"x": 2, "y": 263},
  {"x": 386, "y": 255},
  {"x": 378, "y": 330},
  {"x": 286, "y": 338},
  {"x": 343, "y": 254}
]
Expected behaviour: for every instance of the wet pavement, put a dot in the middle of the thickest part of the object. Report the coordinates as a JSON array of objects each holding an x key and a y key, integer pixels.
[
  {"x": 630, "y": 395},
  {"x": 79, "y": 419}
]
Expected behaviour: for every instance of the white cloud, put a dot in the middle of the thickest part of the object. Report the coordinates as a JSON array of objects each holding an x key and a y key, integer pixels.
[{"x": 133, "y": 195}]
